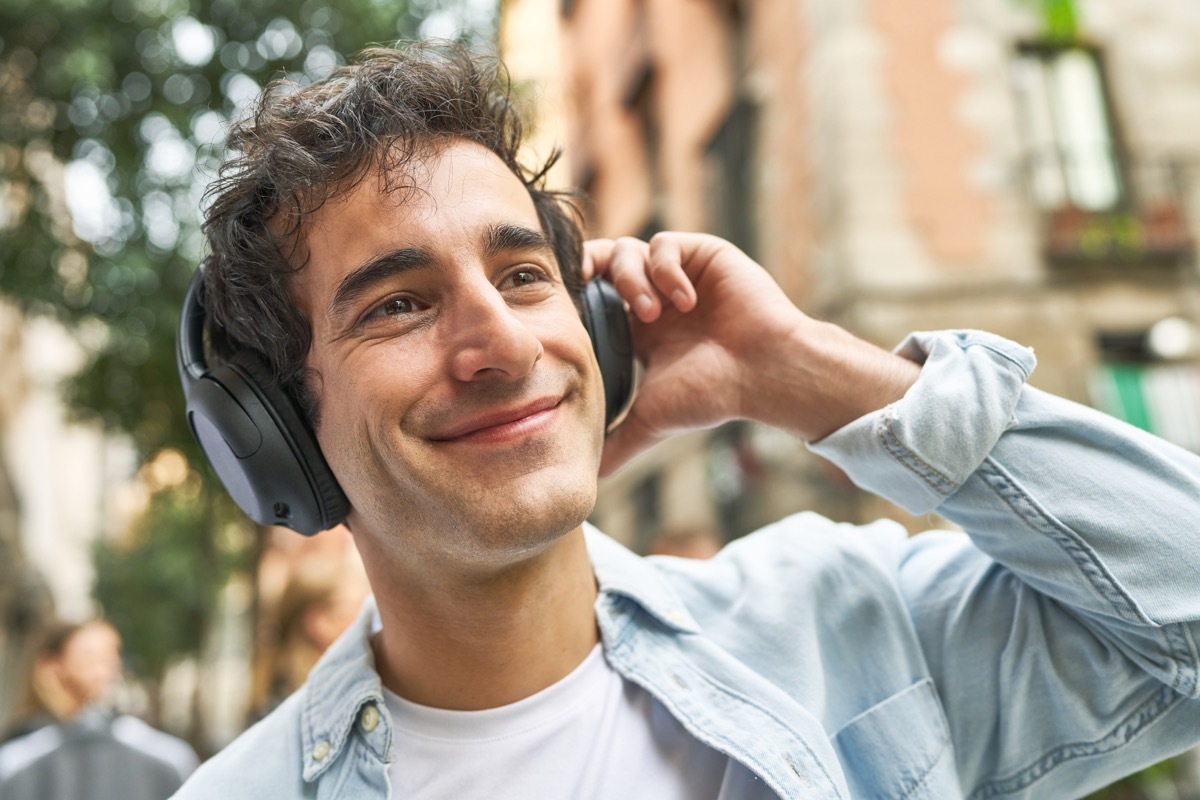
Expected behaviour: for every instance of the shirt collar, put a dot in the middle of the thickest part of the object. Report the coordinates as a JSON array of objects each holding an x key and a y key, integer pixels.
[
  {"x": 345, "y": 680},
  {"x": 341, "y": 684},
  {"x": 621, "y": 573}
]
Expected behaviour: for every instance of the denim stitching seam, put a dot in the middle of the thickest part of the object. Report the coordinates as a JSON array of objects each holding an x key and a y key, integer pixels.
[
  {"x": 1125, "y": 732},
  {"x": 928, "y": 772},
  {"x": 1028, "y": 510},
  {"x": 620, "y": 653},
  {"x": 890, "y": 442},
  {"x": 1183, "y": 653},
  {"x": 998, "y": 352}
]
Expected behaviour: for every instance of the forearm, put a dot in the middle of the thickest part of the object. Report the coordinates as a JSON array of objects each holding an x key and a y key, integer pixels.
[
  {"x": 1062, "y": 638},
  {"x": 820, "y": 378},
  {"x": 1091, "y": 512}
]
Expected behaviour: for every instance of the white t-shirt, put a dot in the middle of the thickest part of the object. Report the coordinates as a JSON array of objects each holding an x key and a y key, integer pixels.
[{"x": 591, "y": 736}]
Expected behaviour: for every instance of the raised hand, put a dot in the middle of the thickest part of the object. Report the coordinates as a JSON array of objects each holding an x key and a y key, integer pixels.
[{"x": 719, "y": 340}]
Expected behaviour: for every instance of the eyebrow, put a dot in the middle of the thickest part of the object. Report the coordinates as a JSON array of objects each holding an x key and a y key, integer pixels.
[
  {"x": 374, "y": 272},
  {"x": 507, "y": 238}
]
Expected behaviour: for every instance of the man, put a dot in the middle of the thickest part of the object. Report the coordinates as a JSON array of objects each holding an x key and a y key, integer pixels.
[
  {"x": 413, "y": 289},
  {"x": 82, "y": 751}
]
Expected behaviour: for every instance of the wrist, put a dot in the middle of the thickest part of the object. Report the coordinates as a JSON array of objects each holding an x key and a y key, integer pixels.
[{"x": 820, "y": 378}]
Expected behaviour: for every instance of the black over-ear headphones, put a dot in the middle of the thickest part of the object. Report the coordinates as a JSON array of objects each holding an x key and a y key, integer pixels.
[{"x": 266, "y": 454}]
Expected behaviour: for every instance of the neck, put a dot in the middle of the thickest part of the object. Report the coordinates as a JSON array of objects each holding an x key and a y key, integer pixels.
[{"x": 481, "y": 640}]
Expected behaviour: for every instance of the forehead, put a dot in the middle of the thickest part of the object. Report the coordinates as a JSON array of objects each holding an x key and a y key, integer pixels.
[
  {"x": 443, "y": 202},
  {"x": 92, "y": 637}
]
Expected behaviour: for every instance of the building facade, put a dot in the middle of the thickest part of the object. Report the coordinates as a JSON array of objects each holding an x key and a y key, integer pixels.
[
  {"x": 896, "y": 167},
  {"x": 54, "y": 475}
]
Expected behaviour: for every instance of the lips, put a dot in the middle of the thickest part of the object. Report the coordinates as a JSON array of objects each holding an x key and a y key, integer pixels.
[{"x": 498, "y": 420}]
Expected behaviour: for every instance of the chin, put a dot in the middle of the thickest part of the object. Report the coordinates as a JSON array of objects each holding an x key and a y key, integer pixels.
[
  {"x": 526, "y": 519},
  {"x": 542, "y": 514}
]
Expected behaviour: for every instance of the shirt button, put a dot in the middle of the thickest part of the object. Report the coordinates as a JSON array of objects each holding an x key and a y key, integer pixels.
[
  {"x": 370, "y": 718},
  {"x": 320, "y": 751}
]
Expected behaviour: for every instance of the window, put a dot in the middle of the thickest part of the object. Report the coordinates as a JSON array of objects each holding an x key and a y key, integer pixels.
[
  {"x": 640, "y": 99},
  {"x": 735, "y": 475},
  {"x": 646, "y": 498},
  {"x": 1071, "y": 149},
  {"x": 1136, "y": 384},
  {"x": 732, "y": 163}
]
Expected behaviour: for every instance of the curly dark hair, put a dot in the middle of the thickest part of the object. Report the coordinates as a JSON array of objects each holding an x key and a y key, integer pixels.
[{"x": 305, "y": 145}]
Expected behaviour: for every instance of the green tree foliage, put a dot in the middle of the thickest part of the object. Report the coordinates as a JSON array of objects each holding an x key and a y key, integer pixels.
[
  {"x": 1060, "y": 19},
  {"x": 112, "y": 116},
  {"x": 158, "y": 587},
  {"x": 128, "y": 100}
]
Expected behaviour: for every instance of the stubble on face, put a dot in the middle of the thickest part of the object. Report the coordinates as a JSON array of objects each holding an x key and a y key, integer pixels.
[
  {"x": 482, "y": 513},
  {"x": 386, "y": 400}
]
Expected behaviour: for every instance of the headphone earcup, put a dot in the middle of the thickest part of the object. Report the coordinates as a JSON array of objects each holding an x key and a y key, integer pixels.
[
  {"x": 607, "y": 324},
  {"x": 262, "y": 450}
]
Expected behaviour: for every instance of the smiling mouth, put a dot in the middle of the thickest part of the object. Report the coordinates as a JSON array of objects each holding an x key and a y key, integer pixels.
[{"x": 505, "y": 424}]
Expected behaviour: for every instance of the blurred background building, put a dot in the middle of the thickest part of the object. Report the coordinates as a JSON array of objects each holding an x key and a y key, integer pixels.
[
  {"x": 54, "y": 476},
  {"x": 1026, "y": 168}
]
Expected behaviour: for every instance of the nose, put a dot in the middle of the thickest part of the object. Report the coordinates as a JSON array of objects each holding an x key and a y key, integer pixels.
[{"x": 489, "y": 338}]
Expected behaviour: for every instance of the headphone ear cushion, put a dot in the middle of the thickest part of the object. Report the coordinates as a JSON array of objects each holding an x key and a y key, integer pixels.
[
  {"x": 607, "y": 324},
  {"x": 299, "y": 437},
  {"x": 253, "y": 435}
]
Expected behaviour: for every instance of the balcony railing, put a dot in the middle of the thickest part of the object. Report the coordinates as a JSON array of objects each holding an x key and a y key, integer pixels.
[{"x": 1140, "y": 221}]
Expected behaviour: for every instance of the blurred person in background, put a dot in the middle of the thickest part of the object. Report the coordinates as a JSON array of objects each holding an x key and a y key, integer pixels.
[
  {"x": 322, "y": 597},
  {"x": 384, "y": 269},
  {"x": 686, "y": 542},
  {"x": 75, "y": 666},
  {"x": 71, "y": 745}
]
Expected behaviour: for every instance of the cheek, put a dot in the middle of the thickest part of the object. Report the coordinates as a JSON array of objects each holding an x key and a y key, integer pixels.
[{"x": 366, "y": 402}]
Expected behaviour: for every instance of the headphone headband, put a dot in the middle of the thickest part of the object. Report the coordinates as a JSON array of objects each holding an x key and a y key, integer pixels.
[{"x": 189, "y": 343}]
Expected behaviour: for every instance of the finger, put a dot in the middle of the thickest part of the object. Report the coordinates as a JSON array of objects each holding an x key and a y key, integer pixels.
[
  {"x": 666, "y": 271},
  {"x": 629, "y": 438},
  {"x": 627, "y": 271},
  {"x": 596, "y": 255}
]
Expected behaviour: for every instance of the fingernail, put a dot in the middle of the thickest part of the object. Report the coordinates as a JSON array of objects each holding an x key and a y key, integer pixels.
[
  {"x": 643, "y": 305},
  {"x": 679, "y": 297}
]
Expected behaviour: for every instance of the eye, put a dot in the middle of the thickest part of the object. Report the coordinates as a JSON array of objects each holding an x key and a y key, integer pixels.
[
  {"x": 526, "y": 276},
  {"x": 395, "y": 306},
  {"x": 392, "y": 307}
]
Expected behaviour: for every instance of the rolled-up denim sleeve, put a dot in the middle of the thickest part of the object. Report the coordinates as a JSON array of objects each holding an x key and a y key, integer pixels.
[{"x": 1063, "y": 635}]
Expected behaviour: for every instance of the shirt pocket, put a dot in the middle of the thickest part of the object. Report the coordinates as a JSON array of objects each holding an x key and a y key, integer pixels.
[{"x": 899, "y": 749}]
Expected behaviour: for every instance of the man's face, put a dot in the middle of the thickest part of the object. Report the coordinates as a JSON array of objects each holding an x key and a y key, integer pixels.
[
  {"x": 460, "y": 403},
  {"x": 90, "y": 664}
]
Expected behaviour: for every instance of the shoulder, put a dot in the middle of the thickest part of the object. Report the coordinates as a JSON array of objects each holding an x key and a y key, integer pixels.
[
  {"x": 264, "y": 762},
  {"x": 134, "y": 733},
  {"x": 803, "y": 552},
  {"x": 807, "y": 572},
  {"x": 22, "y": 751}
]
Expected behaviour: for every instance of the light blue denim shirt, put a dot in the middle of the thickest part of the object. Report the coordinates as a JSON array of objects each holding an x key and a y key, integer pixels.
[{"x": 1049, "y": 652}]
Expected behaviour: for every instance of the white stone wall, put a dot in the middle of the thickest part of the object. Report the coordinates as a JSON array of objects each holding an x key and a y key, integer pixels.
[{"x": 62, "y": 471}]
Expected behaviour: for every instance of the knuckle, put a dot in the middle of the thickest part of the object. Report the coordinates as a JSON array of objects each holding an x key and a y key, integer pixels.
[
  {"x": 629, "y": 243},
  {"x": 664, "y": 238},
  {"x": 626, "y": 282}
]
